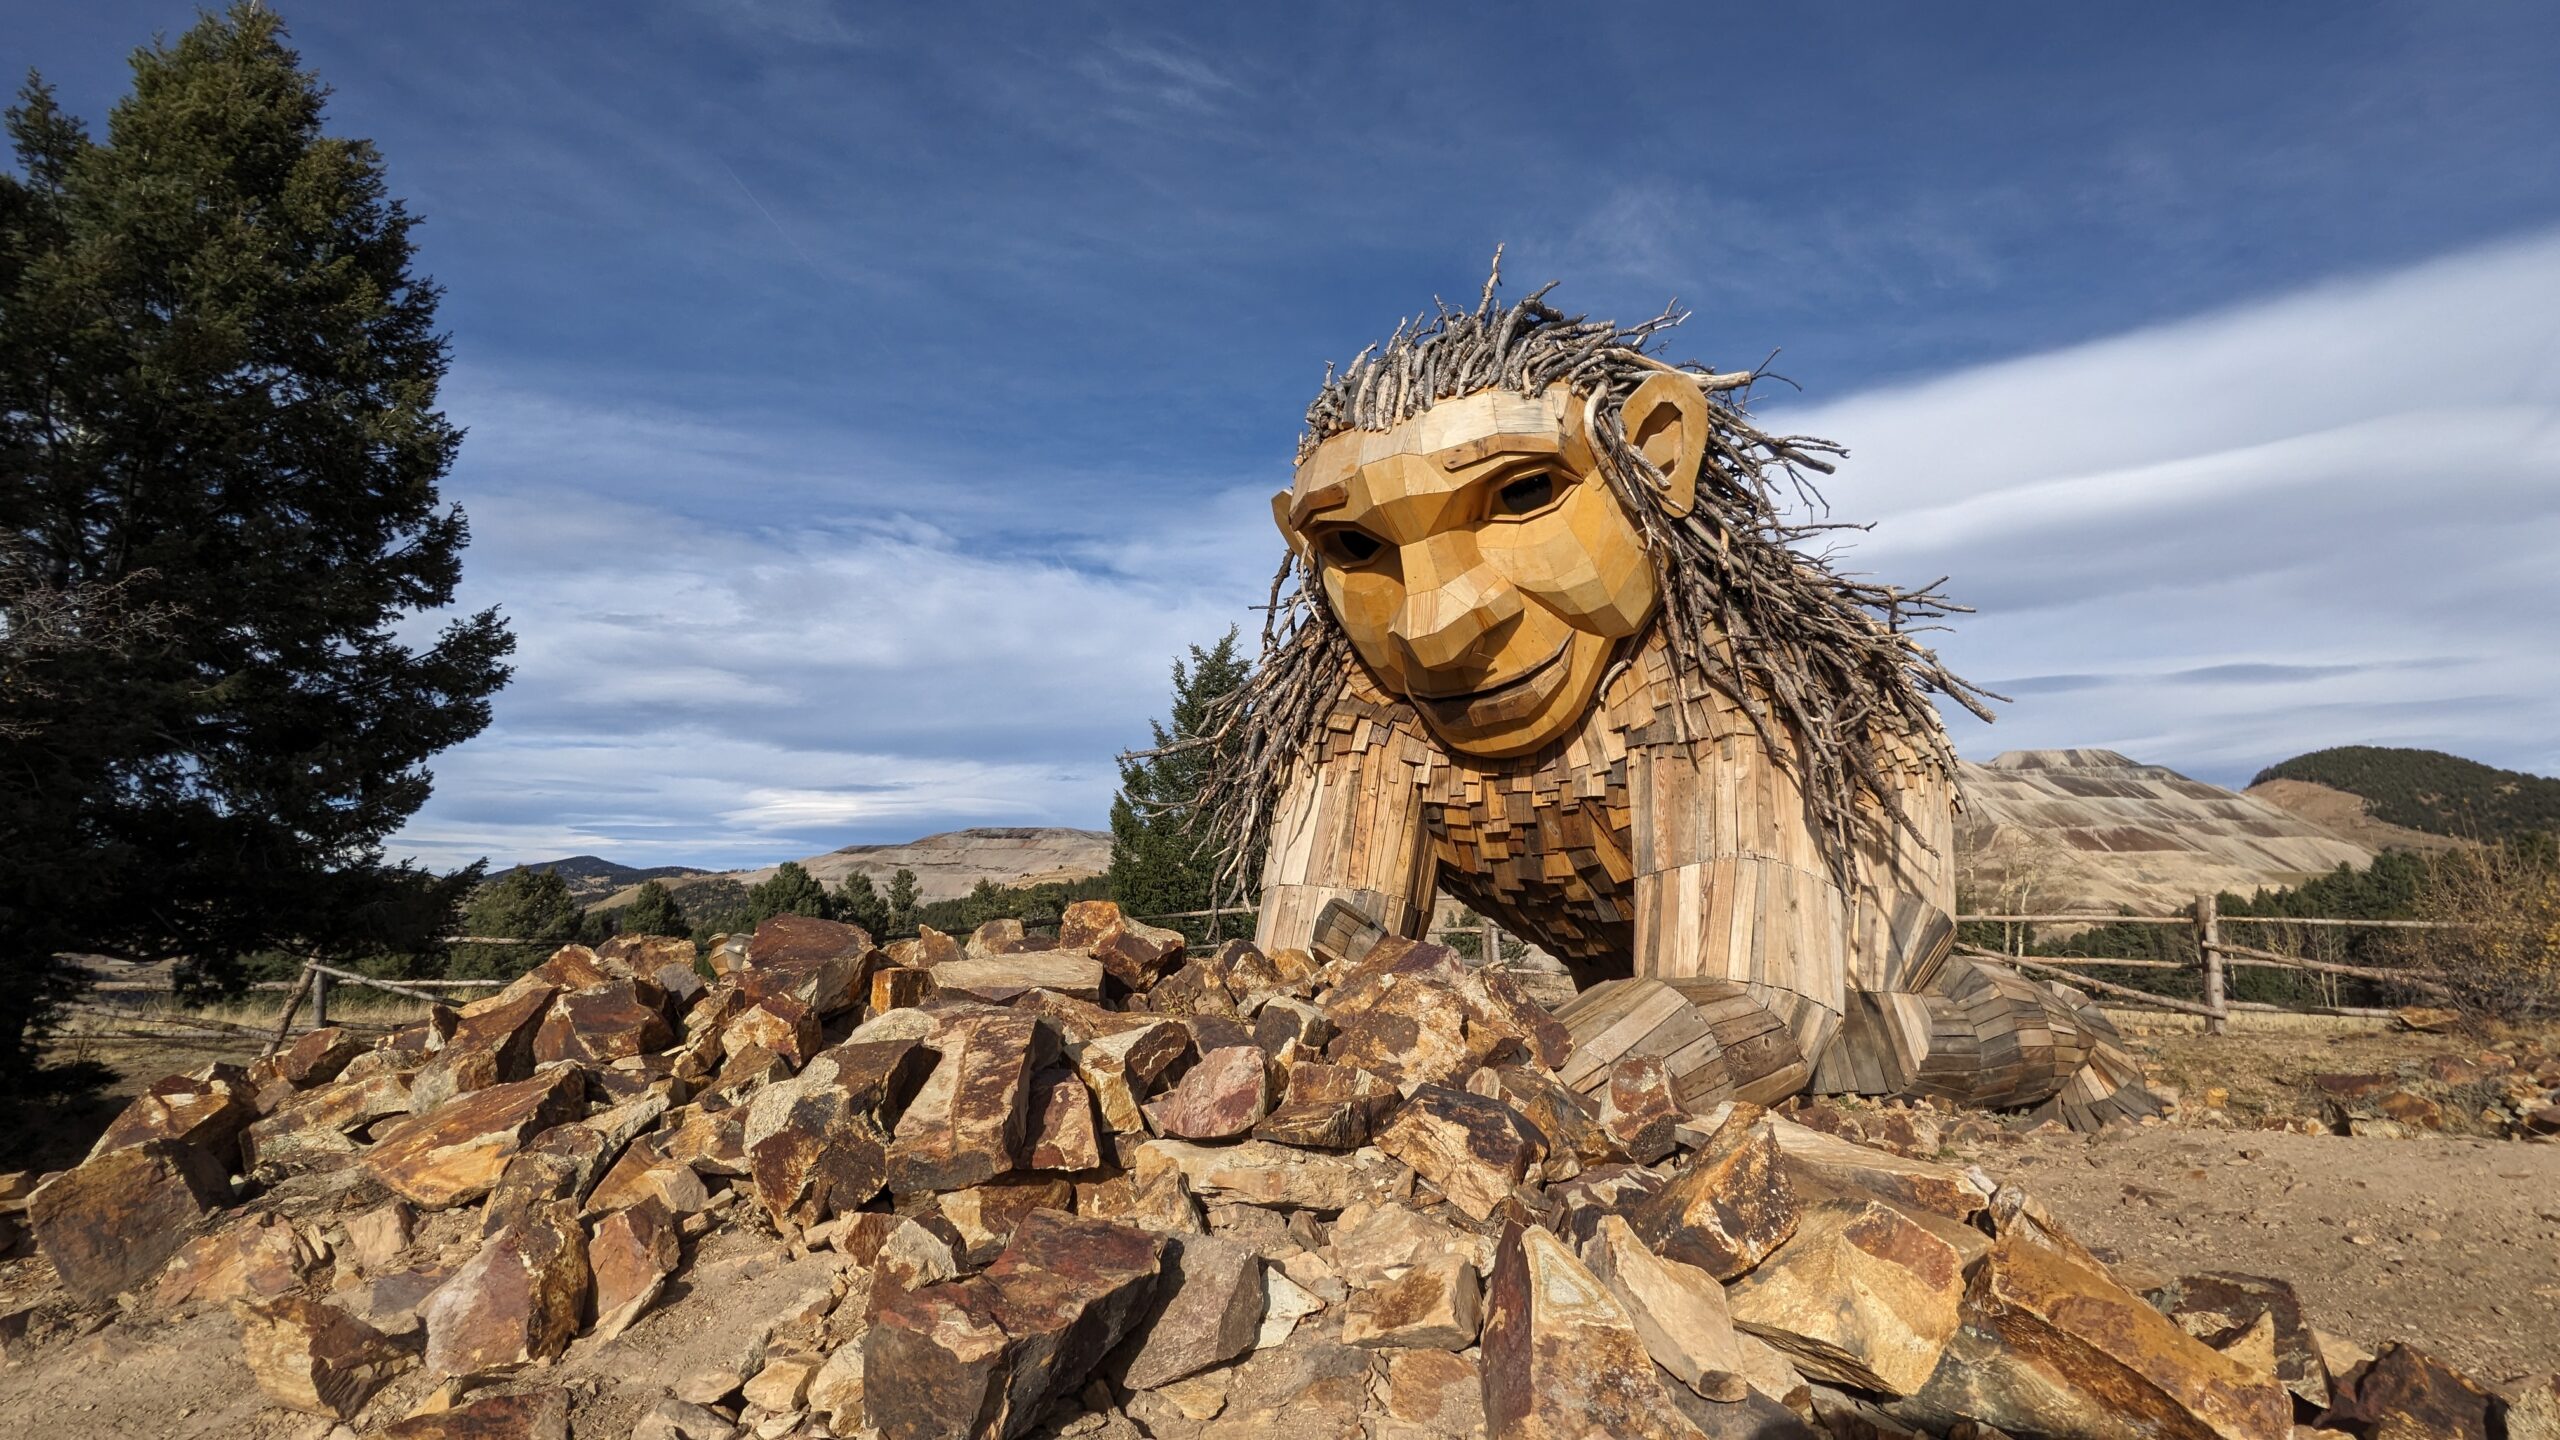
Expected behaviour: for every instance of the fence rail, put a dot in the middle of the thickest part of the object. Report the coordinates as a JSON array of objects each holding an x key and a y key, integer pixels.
[{"x": 2215, "y": 957}]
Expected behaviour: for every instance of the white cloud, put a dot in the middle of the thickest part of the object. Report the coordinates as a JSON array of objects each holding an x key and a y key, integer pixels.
[
  {"x": 2363, "y": 479},
  {"x": 2325, "y": 519}
]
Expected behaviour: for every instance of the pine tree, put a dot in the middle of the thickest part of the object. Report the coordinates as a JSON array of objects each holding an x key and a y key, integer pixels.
[
  {"x": 858, "y": 902},
  {"x": 1157, "y": 867},
  {"x": 654, "y": 911},
  {"x": 218, "y": 382},
  {"x": 902, "y": 902},
  {"x": 791, "y": 890},
  {"x": 524, "y": 905}
]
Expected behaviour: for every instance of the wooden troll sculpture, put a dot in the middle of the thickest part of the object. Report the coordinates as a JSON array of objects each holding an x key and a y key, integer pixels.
[{"x": 1554, "y": 648}]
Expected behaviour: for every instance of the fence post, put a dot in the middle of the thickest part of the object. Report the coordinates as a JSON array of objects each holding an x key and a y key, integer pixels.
[
  {"x": 319, "y": 1000},
  {"x": 1490, "y": 946},
  {"x": 2209, "y": 951}
]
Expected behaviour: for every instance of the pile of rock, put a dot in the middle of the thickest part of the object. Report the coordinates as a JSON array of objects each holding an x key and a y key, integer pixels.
[{"x": 1104, "y": 1185}]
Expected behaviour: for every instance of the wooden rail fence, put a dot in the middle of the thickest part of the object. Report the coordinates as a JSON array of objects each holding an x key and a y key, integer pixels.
[{"x": 2216, "y": 957}]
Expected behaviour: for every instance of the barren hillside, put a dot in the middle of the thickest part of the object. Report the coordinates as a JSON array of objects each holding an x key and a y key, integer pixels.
[
  {"x": 947, "y": 865},
  {"x": 2092, "y": 829}
]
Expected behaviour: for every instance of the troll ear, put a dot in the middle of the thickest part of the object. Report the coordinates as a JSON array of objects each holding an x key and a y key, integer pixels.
[{"x": 1667, "y": 422}]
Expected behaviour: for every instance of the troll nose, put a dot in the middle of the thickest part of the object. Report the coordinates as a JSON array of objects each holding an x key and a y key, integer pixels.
[{"x": 1440, "y": 625}]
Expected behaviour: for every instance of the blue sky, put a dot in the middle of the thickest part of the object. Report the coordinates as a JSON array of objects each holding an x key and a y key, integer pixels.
[{"x": 866, "y": 402}]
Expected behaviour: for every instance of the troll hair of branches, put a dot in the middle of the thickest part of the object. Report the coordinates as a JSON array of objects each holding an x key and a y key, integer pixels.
[{"x": 1825, "y": 664}]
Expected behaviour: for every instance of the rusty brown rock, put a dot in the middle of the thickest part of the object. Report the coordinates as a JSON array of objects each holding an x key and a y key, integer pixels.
[
  {"x": 1576, "y": 1208},
  {"x": 600, "y": 1024},
  {"x": 1063, "y": 1136},
  {"x": 823, "y": 965},
  {"x": 1328, "y": 1107},
  {"x": 1220, "y": 1098},
  {"x": 710, "y": 1140},
  {"x": 318, "y": 1057},
  {"x": 565, "y": 1162},
  {"x": 1561, "y": 1360},
  {"x": 1862, "y": 1296},
  {"x": 1729, "y": 1205},
  {"x": 818, "y": 1145},
  {"x": 1496, "y": 1002},
  {"x": 377, "y": 1237},
  {"x": 1413, "y": 1032},
  {"x": 1123, "y": 1067},
  {"x": 983, "y": 1356},
  {"x": 515, "y": 1303},
  {"x": 787, "y": 938},
  {"x": 999, "y": 978},
  {"x": 109, "y": 1224},
  {"x": 1475, "y": 1149},
  {"x": 1195, "y": 988},
  {"x": 644, "y": 1172},
  {"x": 2048, "y": 1346},
  {"x": 2218, "y": 1306},
  {"x": 2406, "y": 1394},
  {"x": 322, "y": 1121},
  {"x": 539, "y": 1415},
  {"x": 997, "y": 937},
  {"x": 457, "y": 1153},
  {"x": 984, "y": 1217},
  {"x": 1433, "y": 1391},
  {"x": 492, "y": 1044},
  {"x": 1256, "y": 1172},
  {"x": 780, "y": 1024},
  {"x": 632, "y": 1254},
  {"x": 1135, "y": 954},
  {"x": 1637, "y": 1109},
  {"x": 1250, "y": 976},
  {"x": 1434, "y": 1305},
  {"x": 1086, "y": 921},
  {"x": 1678, "y": 1310},
  {"x": 1207, "y": 1310},
  {"x": 1286, "y": 1023},
  {"x": 897, "y": 987},
  {"x": 971, "y": 1121},
  {"x": 316, "y": 1358},
  {"x": 1574, "y": 1137},
  {"x": 1834, "y": 1163},
  {"x": 935, "y": 949},
  {"x": 255, "y": 1257},
  {"x": 206, "y": 1110}
]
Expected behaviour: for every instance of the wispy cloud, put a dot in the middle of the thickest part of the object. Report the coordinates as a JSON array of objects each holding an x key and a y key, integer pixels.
[{"x": 2328, "y": 518}]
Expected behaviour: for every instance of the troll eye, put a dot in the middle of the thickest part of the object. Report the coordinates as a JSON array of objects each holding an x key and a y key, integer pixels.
[
  {"x": 1526, "y": 494},
  {"x": 1351, "y": 547}
]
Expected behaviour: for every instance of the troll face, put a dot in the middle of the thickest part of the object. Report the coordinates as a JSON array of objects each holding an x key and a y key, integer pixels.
[{"x": 1479, "y": 561}]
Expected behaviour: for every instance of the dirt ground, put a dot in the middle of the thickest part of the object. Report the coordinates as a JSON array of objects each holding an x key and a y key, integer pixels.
[{"x": 2452, "y": 1245}]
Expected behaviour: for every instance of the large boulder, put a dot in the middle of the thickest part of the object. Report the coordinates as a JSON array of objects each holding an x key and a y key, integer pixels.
[
  {"x": 1475, "y": 1148},
  {"x": 980, "y": 1357},
  {"x": 2048, "y": 1346},
  {"x": 1207, "y": 1310},
  {"x": 207, "y": 1110},
  {"x": 316, "y": 1358},
  {"x": 109, "y": 1224},
  {"x": 1562, "y": 1360},
  {"x": 457, "y": 1152},
  {"x": 971, "y": 1120},
  {"x": 1729, "y": 1206},
  {"x": 1862, "y": 1295},
  {"x": 516, "y": 1303}
]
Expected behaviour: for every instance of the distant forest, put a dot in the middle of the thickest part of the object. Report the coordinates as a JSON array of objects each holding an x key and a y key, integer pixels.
[{"x": 2432, "y": 791}]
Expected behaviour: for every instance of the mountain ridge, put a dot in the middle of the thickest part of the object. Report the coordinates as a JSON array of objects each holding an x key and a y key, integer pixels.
[{"x": 2430, "y": 790}]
